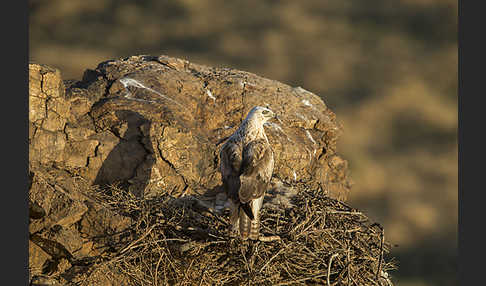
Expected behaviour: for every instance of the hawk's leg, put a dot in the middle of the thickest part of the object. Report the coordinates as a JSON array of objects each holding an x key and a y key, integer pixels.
[
  {"x": 234, "y": 218},
  {"x": 256, "y": 205}
]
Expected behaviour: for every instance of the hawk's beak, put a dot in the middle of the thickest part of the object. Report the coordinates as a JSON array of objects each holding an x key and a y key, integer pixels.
[{"x": 277, "y": 118}]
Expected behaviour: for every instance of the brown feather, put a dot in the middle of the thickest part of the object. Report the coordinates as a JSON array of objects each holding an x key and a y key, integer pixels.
[{"x": 254, "y": 177}]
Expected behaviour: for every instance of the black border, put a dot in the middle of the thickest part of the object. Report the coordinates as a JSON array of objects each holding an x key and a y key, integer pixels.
[
  {"x": 15, "y": 92},
  {"x": 471, "y": 121}
]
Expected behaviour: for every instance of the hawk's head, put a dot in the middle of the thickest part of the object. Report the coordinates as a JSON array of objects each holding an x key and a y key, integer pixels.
[{"x": 260, "y": 114}]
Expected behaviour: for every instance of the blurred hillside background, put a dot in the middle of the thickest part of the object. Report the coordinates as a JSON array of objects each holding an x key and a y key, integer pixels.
[{"x": 387, "y": 68}]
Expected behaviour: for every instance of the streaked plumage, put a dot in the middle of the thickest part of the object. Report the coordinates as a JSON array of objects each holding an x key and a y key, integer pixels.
[{"x": 246, "y": 168}]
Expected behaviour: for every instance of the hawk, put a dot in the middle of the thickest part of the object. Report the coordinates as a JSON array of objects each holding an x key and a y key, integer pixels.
[{"x": 246, "y": 168}]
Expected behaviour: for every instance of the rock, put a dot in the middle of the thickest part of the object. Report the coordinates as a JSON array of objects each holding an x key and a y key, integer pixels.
[
  {"x": 44, "y": 281},
  {"x": 37, "y": 109},
  {"x": 155, "y": 124},
  {"x": 78, "y": 133},
  {"x": 69, "y": 237},
  {"x": 47, "y": 147},
  {"x": 86, "y": 249},
  {"x": 36, "y": 211},
  {"x": 48, "y": 112},
  {"x": 47, "y": 257},
  {"x": 58, "y": 196},
  {"x": 101, "y": 276},
  {"x": 61, "y": 208},
  {"x": 51, "y": 247},
  {"x": 37, "y": 259},
  {"x": 101, "y": 222},
  {"x": 79, "y": 152}
]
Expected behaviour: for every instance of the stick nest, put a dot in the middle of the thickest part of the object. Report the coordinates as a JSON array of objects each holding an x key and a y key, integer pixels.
[{"x": 177, "y": 241}]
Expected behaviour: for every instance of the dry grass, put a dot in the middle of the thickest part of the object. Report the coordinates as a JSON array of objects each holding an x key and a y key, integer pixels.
[{"x": 177, "y": 241}]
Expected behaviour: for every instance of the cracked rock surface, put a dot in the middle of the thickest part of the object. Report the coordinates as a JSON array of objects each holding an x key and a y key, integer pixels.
[{"x": 155, "y": 124}]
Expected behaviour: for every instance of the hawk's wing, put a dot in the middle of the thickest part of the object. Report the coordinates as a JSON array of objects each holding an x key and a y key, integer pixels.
[
  {"x": 246, "y": 173},
  {"x": 230, "y": 155},
  {"x": 255, "y": 170},
  {"x": 255, "y": 174}
]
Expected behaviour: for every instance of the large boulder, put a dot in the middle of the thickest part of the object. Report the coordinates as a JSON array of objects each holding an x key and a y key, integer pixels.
[{"x": 155, "y": 124}]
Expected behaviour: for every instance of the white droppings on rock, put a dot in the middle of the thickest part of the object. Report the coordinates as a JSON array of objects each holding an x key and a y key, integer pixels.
[
  {"x": 127, "y": 82},
  {"x": 310, "y": 137},
  {"x": 302, "y": 90},
  {"x": 208, "y": 92},
  {"x": 306, "y": 103},
  {"x": 301, "y": 116},
  {"x": 245, "y": 83},
  {"x": 310, "y": 154}
]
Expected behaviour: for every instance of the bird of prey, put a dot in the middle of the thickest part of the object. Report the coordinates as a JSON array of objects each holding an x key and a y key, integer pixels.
[{"x": 246, "y": 168}]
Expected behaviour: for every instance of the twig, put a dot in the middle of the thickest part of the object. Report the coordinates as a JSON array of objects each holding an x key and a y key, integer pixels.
[
  {"x": 202, "y": 276},
  {"x": 139, "y": 239},
  {"x": 187, "y": 271},
  {"x": 345, "y": 212},
  {"x": 246, "y": 261},
  {"x": 272, "y": 258},
  {"x": 216, "y": 216},
  {"x": 269, "y": 238},
  {"x": 329, "y": 268},
  {"x": 348, "y": 266},
  {"x": 309, "y": 226},
  {"x": 156, "y": 268},
  {"x": 306, "y": 220},
  {"x": 378, "y": 273},
  {"x": 329, "y": 230},
  {"x": 159, "y": 240},
  {"x": 301, "y": 280}
]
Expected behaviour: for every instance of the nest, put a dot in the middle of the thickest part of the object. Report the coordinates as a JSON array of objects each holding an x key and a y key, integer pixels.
[{"x": 178, "y": 241}]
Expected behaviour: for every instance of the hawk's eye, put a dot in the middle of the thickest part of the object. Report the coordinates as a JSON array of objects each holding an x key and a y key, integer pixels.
[{"x": 265, "y": 112}]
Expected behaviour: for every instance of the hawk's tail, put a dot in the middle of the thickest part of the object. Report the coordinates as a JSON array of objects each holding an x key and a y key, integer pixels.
[
  {"x": 247, "y": 209},
  {"x": 251, "y": 227},
  {"x": 245, "y": 225},
  {"x": 255, "y": 228}
]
